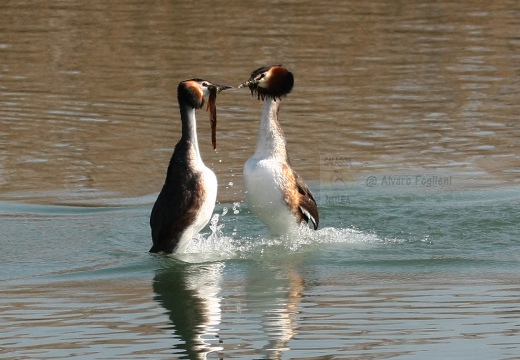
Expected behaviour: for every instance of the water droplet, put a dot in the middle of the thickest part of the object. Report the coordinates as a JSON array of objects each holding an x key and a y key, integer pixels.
[
  {"x": 213, "y": 222},
  {"x": 236, "y": 208}
]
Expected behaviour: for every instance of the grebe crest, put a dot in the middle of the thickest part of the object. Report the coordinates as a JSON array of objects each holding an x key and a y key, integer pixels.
[
  {"x": 193, "y": 92},
  {"x": 270, "y": 82}
]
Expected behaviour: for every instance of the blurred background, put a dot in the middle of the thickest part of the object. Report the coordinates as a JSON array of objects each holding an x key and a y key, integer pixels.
[{"x": 88, "y": 106}]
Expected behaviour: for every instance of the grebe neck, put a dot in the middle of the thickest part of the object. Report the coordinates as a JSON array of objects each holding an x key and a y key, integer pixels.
[{"x": 271, "y": 140}]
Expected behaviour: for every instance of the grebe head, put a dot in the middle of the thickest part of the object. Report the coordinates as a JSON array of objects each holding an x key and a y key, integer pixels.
[
  {"x": 270, "y": 82},
  {"x": 193, "y": 92}
]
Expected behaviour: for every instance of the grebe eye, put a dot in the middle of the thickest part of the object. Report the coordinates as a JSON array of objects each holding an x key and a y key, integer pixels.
[{"x": 205, "y": 84}]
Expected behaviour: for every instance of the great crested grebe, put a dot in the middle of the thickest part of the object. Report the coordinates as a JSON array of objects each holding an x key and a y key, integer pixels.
[
  {"x": 187, "y": 199},
  {"x": 274, "y": 192}
]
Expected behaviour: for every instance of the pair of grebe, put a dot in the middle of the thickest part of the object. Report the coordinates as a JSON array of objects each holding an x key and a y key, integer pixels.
[{"x": 274, "y": 192}]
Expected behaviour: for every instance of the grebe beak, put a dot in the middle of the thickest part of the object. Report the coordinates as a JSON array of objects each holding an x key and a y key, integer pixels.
[{"x": 221, "y": 88}]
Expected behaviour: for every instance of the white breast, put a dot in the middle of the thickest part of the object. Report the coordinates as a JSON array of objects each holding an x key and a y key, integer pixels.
[
  {"x": 263, "y": 182},
  {"x": 210, "y": 184},
  {"x": 204, "y": 215}
]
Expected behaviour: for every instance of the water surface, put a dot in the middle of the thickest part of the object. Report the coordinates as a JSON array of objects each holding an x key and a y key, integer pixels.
[{"x": 403, "y": 120}]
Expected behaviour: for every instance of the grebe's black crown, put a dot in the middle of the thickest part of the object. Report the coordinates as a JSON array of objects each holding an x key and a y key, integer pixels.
[
  {"x": 189, "y": 93},
  {"x": 270, "y": 82}
]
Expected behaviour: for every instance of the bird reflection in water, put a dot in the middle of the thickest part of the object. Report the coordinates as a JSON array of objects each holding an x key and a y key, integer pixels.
[
  {"x": 189, "y": 292},
  {"x": 275, "y": 293}
]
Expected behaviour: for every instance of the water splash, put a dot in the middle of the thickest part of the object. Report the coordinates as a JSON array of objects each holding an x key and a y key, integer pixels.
[{"x": 219, "y": 245}]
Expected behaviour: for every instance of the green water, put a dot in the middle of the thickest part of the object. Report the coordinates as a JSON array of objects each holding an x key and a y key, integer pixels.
[{"x": 392, "y": 273}]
